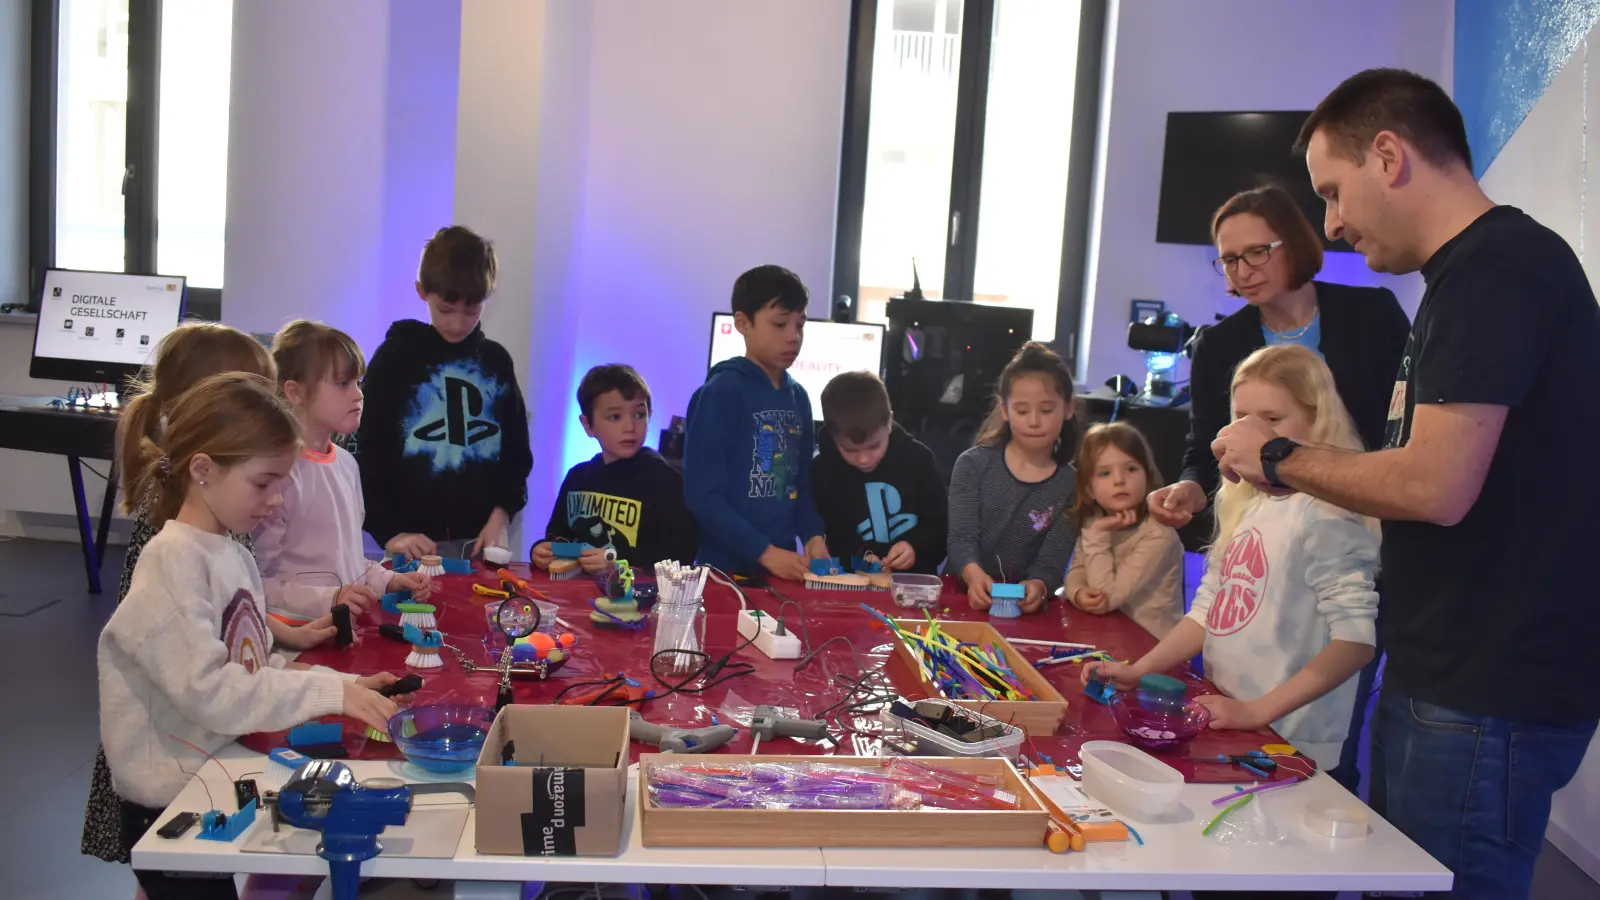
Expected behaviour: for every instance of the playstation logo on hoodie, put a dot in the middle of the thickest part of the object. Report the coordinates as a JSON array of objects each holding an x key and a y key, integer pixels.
[
  {"x": 451, "y": 421},
  {"x": 459, "y": 425}
]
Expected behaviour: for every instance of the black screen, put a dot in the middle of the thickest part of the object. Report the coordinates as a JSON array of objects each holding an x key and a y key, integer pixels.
[{"x": 1212, "y": 156}]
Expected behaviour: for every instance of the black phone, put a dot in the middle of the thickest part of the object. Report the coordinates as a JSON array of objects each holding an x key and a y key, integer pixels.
[{"x": 178, "y": 824}]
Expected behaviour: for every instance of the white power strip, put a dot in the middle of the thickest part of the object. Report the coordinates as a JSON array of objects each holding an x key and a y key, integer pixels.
[{"x": 763, "y": 628}]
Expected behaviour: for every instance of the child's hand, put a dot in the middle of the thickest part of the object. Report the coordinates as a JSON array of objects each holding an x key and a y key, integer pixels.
[
  {"x": 593, "y": 560},
  {"x": 494, "y": 531},
  {"x": 412, "y": 545},
  {"x": 817, "y": 548},
  {"x": 1227, "y": 712},
  {"x": 1116, "y": 521},
  {"x": 1091, "y": 601},
  {"x": 1033, "y": 595},
  {"x": 542, "y": 555},
  {"x": 418, "y": 583},
  {"x": 301, "y": 637},
  {"x": 374, "y": 682},
  {"x": 1120, "y": 675},
  {"x": 356, "y": 596},
  {"x": 900, "y": 558},
  {"x": 785, "y": 564},
  {"x": 368, "y": 706},
  {"x": 979, "y": 584}
]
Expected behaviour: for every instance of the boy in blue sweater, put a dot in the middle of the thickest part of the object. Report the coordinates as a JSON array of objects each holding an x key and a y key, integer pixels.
[{"x": 747, "y": 450}]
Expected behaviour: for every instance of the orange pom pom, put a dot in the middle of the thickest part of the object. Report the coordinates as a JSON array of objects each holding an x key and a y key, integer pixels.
[
  {"x": 567, "y": 640},
  {"x": 542, "y": 642}
]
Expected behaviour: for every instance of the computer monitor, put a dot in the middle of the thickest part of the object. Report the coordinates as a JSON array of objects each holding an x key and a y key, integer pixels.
[
  {"x": 102, "y": 326},
  {"x": 829, "y": 348}
]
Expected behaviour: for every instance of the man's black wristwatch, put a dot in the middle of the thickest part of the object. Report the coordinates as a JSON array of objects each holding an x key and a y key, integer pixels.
[{"x": 1273, "y": 452}]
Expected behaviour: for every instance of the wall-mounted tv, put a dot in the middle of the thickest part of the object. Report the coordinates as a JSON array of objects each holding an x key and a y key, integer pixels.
[{"x": 1210, "y": 156}]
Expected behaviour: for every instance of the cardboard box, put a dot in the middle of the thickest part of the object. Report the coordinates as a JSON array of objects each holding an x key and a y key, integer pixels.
[
  {"x": 1041, "y": 716},
  {"x": 565, "y": 795},
  {"x": 1020, "y": 827}
]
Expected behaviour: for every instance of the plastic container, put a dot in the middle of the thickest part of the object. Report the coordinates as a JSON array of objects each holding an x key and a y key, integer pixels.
[
  {"x": 444, "y": 738},
  {"x": 915, "y": 591},
  {"x": 1128, "y": 780},
  {"x": 933, "y": 743}
]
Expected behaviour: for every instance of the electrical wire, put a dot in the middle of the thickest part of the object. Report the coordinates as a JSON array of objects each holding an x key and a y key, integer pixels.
[
  {"x": 207, "y": 756},
  {"x": 726, "y": 580},
  {"x": 196, "y": 776}
]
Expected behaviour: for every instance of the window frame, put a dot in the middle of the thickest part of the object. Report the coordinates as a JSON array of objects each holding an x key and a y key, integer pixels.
[
  {"x": 963, "y": 219},
  {"x": 142, "y": 150}
]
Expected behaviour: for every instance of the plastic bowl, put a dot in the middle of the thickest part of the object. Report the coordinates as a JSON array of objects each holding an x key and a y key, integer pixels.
[
  {"x": 1153, "y": 729},
  {"x": 915, "y": 591},
  {"x": 444, "y": 739}
]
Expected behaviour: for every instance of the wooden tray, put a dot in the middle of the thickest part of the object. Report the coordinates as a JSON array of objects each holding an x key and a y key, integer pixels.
[
  {"x": 1041, "y": 716},
  {"x": 1021, "y": 827}
]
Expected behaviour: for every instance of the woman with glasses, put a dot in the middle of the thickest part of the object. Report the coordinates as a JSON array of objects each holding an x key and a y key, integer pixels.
[{"x": 1269, "y": 253}]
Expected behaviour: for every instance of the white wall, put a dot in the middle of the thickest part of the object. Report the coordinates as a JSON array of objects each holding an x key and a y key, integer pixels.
[
  {"x": 1175, "y": 55},
  {"x": 1543, "y": 168},
  {"x": 713, "y": 146}
]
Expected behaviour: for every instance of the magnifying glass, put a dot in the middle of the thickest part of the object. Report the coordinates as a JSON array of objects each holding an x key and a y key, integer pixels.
[{"x": 517, "y": 618}]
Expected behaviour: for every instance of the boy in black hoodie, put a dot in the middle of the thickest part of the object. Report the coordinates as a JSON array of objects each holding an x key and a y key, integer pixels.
[
  {"x": 443, "y": 445},
  {"x": 876, "y": 487},
  {"x": 628, "y": 496}
]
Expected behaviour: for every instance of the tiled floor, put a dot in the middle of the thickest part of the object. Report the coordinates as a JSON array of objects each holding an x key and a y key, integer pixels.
[{"x": 47, "y": 749}]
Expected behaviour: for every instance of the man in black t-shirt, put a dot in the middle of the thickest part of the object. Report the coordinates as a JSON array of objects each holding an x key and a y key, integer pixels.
[{"x": 1487, "y": 488}]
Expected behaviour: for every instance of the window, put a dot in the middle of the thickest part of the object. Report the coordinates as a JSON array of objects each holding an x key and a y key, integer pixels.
[
  {"x": 130, "y": 137},
  {"x": 955, "y": 101}
]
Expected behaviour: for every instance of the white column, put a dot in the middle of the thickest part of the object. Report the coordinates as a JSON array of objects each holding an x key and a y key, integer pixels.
[
  {"x": 521, "y": 143},
  {"x": 339, "y": 133}
]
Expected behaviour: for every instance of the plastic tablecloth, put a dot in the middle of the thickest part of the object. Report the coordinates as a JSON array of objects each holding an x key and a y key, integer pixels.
[{"x": 825, "y": 614}]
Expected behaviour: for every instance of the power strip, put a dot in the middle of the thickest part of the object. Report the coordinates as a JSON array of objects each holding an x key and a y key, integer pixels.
[{"x": 762, "y": 630}]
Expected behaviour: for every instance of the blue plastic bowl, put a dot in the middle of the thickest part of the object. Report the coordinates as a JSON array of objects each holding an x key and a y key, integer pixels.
[{"x": 444, "y": 738}]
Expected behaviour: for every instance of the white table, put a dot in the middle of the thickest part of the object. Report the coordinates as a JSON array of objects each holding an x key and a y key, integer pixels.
[{"x": 1174, "y": 855}]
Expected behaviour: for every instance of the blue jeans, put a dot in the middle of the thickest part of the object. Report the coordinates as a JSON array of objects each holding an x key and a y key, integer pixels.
[{"x": 1473, "y": 791}]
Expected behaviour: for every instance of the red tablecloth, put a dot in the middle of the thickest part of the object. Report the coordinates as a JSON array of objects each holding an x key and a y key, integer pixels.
[{"x": 827, "y": 614}]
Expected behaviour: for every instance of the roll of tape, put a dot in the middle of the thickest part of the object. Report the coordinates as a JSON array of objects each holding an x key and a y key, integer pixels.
[{"x": 1337, "y": 820}]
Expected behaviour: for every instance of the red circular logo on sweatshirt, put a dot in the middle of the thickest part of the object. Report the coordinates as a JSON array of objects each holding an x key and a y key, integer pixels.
[{"x": 1244, "y": 584}]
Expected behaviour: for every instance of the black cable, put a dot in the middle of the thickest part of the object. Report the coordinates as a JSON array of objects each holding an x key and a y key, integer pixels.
[
  {"x": 783, "y": 625},
  {"x": 709, "y": 672},
  {"x": 105, "y": 478}
]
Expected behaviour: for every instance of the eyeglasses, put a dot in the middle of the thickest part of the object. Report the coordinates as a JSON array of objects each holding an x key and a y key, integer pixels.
[{"x": 1255, "y": 258}]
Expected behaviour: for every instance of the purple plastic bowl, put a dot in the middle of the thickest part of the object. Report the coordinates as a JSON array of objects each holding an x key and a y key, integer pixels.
[{"x": 1155, "y": 730}]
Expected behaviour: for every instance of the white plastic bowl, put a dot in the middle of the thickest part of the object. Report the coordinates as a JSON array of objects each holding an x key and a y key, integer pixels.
[{"x": 1128, "y": 780}]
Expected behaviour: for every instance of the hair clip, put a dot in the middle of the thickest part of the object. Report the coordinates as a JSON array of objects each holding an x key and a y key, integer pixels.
[{"x": 164, "y": 465}]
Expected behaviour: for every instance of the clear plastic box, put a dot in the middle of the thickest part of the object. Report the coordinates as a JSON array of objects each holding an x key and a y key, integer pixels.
[{"x": 932, "y": 743}]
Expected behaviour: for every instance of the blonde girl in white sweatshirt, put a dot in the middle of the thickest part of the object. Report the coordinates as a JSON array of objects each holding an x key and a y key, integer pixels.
[
  {"x": 188, "y": 655},
  {"x": 1285, "y": 614}
]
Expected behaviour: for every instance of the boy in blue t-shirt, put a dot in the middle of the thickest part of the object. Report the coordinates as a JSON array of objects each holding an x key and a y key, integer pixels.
[{"x": 748, "y": 446}]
